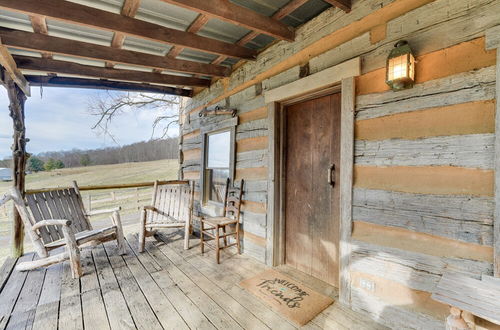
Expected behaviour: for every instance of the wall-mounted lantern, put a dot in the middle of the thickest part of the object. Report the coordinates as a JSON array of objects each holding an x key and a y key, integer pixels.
[{"x": 400, "y": 67}]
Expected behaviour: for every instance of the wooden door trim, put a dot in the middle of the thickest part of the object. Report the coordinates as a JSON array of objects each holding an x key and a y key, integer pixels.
[{"x": 275, "y": 246}]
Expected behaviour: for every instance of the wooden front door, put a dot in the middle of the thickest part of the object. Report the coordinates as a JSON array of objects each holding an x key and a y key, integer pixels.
[{"x": 312, "y": 194}]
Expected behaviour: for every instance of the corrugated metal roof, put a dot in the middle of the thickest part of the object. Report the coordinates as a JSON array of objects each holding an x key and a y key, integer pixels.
[{"x": 164, "y": 14}]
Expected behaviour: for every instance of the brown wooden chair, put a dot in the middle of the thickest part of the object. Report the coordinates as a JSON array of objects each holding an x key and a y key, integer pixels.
[
  {"x": 211, "y": 226},
  {"x": 57, "y": 218},
  {"x": 171, "y": 207}
]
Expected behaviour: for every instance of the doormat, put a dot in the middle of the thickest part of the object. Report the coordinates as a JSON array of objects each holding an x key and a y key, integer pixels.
[{"x": 289, "y": 297}]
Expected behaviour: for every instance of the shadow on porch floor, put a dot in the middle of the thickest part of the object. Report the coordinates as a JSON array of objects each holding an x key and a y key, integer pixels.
[{"x": 165, "y": 287}]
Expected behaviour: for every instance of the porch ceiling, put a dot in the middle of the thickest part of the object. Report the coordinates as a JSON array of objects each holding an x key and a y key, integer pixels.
[{"x": 176, "y": 44}]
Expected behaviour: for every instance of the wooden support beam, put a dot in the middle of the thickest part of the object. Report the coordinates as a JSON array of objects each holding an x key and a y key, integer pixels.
[
  {"x": 63, "y": 67},
  {"x": 100, "y": 19},
  {"x": 129, "y": 9},
  {"x": 196, "y": 26},
  {"x": 345, "y": 5},
  {"x": 39, "y": 24},
  {"x": 47, "y": 81},
  {"x": 8, "y": 63},
  {"x": 43, "y": 43},
  {"x": 281, "y": 13},
  {"x": 17, "y": 99},
  {"x": 230, "y": 12}
]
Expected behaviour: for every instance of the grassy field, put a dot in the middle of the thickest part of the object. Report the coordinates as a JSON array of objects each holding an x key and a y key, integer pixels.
[{"x": 128, "y": 199}]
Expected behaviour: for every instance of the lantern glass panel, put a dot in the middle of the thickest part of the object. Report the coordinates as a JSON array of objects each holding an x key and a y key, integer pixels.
[{"x": 398, "y": 67}]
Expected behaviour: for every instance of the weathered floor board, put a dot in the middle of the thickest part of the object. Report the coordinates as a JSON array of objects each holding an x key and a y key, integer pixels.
[{"x": 165, "y": 287}]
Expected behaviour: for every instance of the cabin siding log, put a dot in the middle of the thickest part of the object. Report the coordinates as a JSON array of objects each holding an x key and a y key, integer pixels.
[{"x": 474, "y": 151}]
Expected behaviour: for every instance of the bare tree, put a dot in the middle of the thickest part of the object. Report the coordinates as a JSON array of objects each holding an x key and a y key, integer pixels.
[{"x": 109, "y": 105}]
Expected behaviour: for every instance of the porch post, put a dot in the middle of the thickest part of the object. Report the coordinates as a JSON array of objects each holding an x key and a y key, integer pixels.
[{"x": 17, "y": 99}]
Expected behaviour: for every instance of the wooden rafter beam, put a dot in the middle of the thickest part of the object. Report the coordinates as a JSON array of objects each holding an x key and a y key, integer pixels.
[
  {"x": 87, "y": 16},
  {"x": 345, "y": 5},
  {"x": 43, "y": 43},
  {"x": 10, "y": 66},
  {"x": 47, "y": 81},
  {"x": 64, "y": 67},
  {"x": 281, "y": 13},
  {"x": 230, "y": 12},
  {"x": 196, "y": 26},
  {"x": 39, "y": 24},
  {"x": 129, "y": 9}
]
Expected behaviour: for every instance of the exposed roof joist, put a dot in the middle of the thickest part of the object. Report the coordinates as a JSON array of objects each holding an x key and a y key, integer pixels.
[
  {"x": 88, "y": 16},
  {"x": 233, "y": 13},
  {"x": 43, "y": 43},
  {"x": 63, "y": 67},
  {"x": 345, "y": 5},
  {"x": 47, "y": 81}
]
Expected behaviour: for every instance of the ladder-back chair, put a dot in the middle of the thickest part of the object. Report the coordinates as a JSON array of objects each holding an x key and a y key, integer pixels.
[
  {"x": 211, "y": 226},
  {"x": 56, "y": 218},
  {"x": 171, "y": 207}
]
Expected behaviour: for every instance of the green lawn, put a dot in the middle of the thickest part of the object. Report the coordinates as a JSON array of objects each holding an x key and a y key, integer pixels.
[{"x": 94, "y": 175}]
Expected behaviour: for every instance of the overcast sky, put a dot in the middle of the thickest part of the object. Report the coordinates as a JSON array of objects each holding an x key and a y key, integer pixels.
[{"x": 59, "y": 120}]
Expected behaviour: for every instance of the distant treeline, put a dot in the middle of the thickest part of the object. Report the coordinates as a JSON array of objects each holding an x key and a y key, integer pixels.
[{"x": 136, "y": 152}]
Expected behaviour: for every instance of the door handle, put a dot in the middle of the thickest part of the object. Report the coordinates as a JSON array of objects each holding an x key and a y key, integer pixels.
[{"x": 331, "y": 175}]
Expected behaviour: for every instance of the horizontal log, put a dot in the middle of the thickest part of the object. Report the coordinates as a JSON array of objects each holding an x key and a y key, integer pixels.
[
  {"x": 106, "y": 187},
  {"x": 426, "y": 179},
  {"x": 464, "y": 218},
  {"x": 95, "y": 18},
  {"x": 457, "y": 119},
  {"x": 472, "y": 151},
  {"x": 256, "y": 128},
  {"x": 238, "y": 15},
  {"x": 414, "y": 270},
  {"x": 260, "y": 113},
  {"x": 65, "y": 67},
  {"x": 193, "y": 154},
  {"x": 45, "y": 43},
  {"x": 461, "y": 88},
  {"x": 408, "y": 240},
  {"x": 49, "y": 81}
]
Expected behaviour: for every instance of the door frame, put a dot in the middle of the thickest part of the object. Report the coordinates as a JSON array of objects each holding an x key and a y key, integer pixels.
[{"x": 325, "y": 83}]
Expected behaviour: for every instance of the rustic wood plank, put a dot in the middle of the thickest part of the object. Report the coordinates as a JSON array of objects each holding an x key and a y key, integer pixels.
[
  {"x": 496, "y": 224},
  {"x": 465, "y": 218},
  {"x": 47, "y": 311},
  {"x": 23, "y": 314},
  {"x": 238, "y": 15},
  {"x": 346, "y": 183},
  {"x": 32, "y": 41},
  {"x": 217, "y": 316},
  {"x": 345, "y": 5},
  {"x": 65, "y": 67},
  {"x": 48, "y": 81},
  {"x": 88, "y": 16},
  {"x": 164, "y": 309},
  {"x": 195, "y": 26},
  {"x": 138, "y": 305},
  {"x": 93, "y": 307},
  {"x": 11, "y": 291},
  {"x": 116, "y": 307},
  {"x": 474, "y": 151},
  {"x": 8, "y": 63},
  {"x": 493, "y": 38},
  {"x": 6, "y": 270},
  {"x": 71, "y": 304}
]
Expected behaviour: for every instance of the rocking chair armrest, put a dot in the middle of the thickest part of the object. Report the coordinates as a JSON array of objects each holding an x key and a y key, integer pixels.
[
  {"x": 51, "y": 222},
  {"x": 150, "y": 208},
  {"x": 98, "y": 212},
  {"x": 5, "y": 198}
]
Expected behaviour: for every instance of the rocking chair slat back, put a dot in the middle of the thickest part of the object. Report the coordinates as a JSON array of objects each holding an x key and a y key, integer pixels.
[
  {"x": 172, "y": 202},
  {"x": 57, "y": 204},
  {"x": 232, "y": 205}
]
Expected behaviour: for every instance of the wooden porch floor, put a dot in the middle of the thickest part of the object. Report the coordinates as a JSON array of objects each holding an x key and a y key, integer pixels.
[{"x": 165, "y": 287}]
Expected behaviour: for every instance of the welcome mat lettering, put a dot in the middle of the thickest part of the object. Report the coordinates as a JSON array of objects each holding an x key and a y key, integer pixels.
[{"x": 289, "y": 297}]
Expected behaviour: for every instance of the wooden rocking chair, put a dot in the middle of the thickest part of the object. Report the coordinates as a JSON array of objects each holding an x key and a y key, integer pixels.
[
  {"x": 231, "y": 216},
  {"x": 171, "y": 207},
  {"x": 57, "y": 218}
]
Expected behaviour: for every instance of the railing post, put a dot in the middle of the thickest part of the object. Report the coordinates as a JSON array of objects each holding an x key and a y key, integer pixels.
[{"x": 17, "y": 99}]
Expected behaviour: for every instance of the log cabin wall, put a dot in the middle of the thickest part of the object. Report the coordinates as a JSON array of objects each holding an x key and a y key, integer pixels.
[{"x": 423, "y": 195}]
